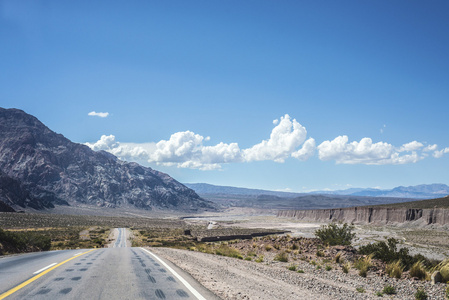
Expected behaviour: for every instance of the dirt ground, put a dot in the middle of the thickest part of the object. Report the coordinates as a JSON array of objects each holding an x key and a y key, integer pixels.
[{"x": 432, "y": 242}]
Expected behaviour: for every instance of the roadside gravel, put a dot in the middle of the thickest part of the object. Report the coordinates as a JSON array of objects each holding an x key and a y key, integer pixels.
[{"x": 231, "y": 278}]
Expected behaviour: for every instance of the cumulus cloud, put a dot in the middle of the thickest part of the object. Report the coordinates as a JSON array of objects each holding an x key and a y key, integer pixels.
[
  {"x": 440, "y": 153},
  {"x": 307, "y": 150},
  {"x": 187, "y": 149},
  {"x": 367, "y": 152},
  {"x": 412, "y": 146},
  {"x": 98, "y": 114},
  {"x": 284, "y": 139}
]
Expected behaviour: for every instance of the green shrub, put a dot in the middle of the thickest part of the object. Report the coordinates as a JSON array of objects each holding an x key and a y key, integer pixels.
[
  {"x": 447, "y": 292},
  {"x": 320, "y": 253},
  {"x": 420, "y": 294},
  {"x": 328, "y": 268},
  {"x": 259, "y": 259},
  {"x": 389, "y": 290},
  {"x": 418, "y": 270},
  {"x": 16, "y": 242},
  {"x": 336, "y": 234},
  {"x": 300, "y": 271},
  {"x": 387, "y": 252},
  {"x": 379, "y": 294},
  {"x": 292, "y": 268},
  {"x": 360, "y": 289},
  {"x": 281, "y": 256}
]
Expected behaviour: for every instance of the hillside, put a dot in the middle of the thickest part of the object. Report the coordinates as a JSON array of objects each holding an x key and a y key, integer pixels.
[
  {"x": 41, "y": 169},
  {"x": 421, "y": 204}
]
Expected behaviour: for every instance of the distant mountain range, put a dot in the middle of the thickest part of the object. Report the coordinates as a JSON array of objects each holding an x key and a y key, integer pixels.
[
  {"x": 423, "y": 191},
  {"x": 41, "y": 169}
]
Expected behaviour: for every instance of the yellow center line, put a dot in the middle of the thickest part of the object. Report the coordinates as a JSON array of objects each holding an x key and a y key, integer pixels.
[{"x": 22, "y": 285}]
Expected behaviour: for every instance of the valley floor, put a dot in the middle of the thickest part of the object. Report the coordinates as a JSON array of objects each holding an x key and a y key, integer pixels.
[{"x": 231, "y": 278}]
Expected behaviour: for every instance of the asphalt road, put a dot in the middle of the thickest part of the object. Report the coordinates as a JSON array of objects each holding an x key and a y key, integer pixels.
[{"x": 108, "y": 273}]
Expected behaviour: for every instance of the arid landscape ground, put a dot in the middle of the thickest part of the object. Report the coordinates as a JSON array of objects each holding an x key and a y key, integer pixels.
[{"x": 292, "y": 265}]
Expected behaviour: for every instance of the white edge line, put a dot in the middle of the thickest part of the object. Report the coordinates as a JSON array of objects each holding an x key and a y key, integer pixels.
[
  {"x": 187, "y": 285},
  {"x": 78, "y": 253},
  {"x": 43, "y": 269}
]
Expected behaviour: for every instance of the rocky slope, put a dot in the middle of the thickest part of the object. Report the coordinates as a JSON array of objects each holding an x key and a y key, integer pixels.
[
  {"x": 377, "y": 215},
  {"x": 44, "y": 169}
]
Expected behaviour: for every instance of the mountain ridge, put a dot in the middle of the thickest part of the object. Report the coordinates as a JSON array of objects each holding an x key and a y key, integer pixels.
[
  {"x": 422, "y": 191},
  {"x": 48, "y": 169}
]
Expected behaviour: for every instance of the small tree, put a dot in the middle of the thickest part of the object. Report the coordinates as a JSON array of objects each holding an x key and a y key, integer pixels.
[{"x": 336, "y": 234}]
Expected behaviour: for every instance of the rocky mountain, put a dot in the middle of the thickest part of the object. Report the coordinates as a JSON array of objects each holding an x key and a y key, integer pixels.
[{"x": 41, "y": 169}]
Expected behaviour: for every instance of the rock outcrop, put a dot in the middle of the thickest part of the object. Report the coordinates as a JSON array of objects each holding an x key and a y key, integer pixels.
[
  {"x": 376, "y": 215},
  {"x": 42, "y": 169}
]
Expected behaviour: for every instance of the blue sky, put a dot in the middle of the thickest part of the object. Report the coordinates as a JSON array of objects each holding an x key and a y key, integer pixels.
[{"x": 282, "y": 95}]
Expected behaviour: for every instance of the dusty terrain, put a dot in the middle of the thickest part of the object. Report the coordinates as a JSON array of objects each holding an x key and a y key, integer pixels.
[
  {"x": 231, "y": 278},
  {"x": 430, "y": 241}
]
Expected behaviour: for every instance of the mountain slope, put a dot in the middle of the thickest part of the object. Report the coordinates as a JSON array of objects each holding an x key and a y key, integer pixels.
[{"x": 55, "y": 171}]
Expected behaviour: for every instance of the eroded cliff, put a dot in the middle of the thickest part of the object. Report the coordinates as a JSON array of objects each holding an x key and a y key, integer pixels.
[{"x": 376, "y": 215}]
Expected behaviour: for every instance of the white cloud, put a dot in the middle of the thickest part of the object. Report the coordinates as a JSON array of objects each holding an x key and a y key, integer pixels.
[
  {"x": 284, "y": 139},
  {"x": 106, "y": 142},
  {"x": 366, "y": 152},
  {"x": 412, "y": 146},
  {"x": 187, "y": 149},
  {"x": 440, "y": 153},
  {"x": 307, "y": 150},
  {"x": 430, "y": 148},
  {"x": 98, "y": 114}
]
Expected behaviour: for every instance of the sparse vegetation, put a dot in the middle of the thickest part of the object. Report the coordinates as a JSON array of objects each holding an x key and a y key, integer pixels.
[
  {"x": 292, "y": 268},
  {"x": 259, "y": 259},
  {"x": 363, "y": 264},
  {"x": 388, "y": 252},
  {"x": 336, "y": 234},
  {"x": 26, "y": 241},
  {"x": 338, "y": 259},
  {"x": 281, "y": 256},
  {"x": 346, "y": 267},
  {"x": 418, "y": 270},
  {"x": 394, "y": 269},
  {"x": 225, "y": 250},
  {"x": 389, "y": 290},
  {"x": 360, "y": 289},
  {"x": 420, "y": 294}
]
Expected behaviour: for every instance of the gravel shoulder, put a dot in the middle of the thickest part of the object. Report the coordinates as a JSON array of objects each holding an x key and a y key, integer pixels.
[{"x": 231, "y": 278}]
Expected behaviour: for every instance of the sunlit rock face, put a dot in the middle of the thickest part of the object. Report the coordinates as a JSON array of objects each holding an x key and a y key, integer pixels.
[
  {"x": 47, "y": 169},
  {"x": 375, "y": 215}
]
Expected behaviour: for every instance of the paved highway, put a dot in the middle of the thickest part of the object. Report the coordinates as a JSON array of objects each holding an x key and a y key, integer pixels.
[{"x": 108, "y": 273}]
